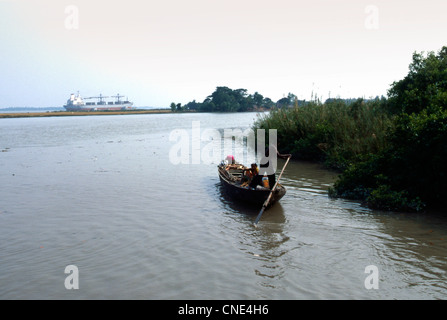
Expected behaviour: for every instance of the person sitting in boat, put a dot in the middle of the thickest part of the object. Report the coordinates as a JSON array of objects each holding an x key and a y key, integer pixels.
[
  {"x": 249, "y": 173},
  {"x": 230, "y": 159},
  {"x": 268, "y": 167},
  {"x": 252, "y": 171}
]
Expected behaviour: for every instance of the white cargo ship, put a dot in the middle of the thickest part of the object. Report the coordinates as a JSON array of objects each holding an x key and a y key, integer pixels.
[{"x": 77, "y": 103}]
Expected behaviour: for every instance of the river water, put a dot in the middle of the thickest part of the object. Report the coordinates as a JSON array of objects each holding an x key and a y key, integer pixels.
[{"x": 102, "y": 193}]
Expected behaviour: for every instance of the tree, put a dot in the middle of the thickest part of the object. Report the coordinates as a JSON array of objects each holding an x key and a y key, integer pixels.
[
  {"x": 283, "y": 103},
  {"x": 425, "y": 86},
  {"x": 193, "y": 105},
  {"x": 267, "y": 103},
  {"x": 258, "y": 99},
  {"x": 289, "y": 101},
  {"x": 224, "y": 99},
  {"x": 411, "y": 172}
]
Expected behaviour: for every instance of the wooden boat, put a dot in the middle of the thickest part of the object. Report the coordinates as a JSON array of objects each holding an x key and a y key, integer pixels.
[{"x": 231, "y": 176}]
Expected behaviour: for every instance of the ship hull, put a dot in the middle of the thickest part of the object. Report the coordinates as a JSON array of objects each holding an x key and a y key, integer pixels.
[{"x": 100, "y": 108}]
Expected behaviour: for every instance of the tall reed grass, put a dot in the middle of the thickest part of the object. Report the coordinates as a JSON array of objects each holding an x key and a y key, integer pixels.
[{"x": 335, "y": 132}]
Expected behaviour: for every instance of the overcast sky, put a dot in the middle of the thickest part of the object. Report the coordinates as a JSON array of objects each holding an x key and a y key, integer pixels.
[{"x": 158, "y": 52}]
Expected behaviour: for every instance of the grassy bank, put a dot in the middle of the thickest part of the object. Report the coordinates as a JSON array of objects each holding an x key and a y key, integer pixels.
[
  {"x": 392, "y": 153},
  {"x": 79, "y": 113},
  {"x": 336, "y": 132}
]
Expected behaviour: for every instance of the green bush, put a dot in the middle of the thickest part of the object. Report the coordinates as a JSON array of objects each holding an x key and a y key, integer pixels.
[
  {"x": 408, "y": 175},
  {"x": 424, "y": 87},
  {"x": 335, "y": 132},
  {"x": 392, "y": 153},
  {"x": 384, "y": 198},
  {"x": 420, "y": 155}
]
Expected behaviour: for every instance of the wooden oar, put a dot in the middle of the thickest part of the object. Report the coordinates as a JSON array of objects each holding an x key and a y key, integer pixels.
[{"x": 266, "y": 203}]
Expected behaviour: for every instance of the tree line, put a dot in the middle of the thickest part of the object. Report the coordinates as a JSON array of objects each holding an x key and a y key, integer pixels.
[{"x": 225, "y": 99}]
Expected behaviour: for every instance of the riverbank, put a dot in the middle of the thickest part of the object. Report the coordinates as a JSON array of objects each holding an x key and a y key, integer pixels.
[
  {"x": 335, "y": 133},
  {"x": 80, "y": 113},
  {"x": 391, "y": 152}
]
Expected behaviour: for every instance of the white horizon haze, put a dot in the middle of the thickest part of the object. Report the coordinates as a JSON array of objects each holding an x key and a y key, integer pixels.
[{"x": 158, "y": 52}]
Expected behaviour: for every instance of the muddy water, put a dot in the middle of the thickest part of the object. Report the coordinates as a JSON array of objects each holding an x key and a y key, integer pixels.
[{"x": 101, "y": 193}]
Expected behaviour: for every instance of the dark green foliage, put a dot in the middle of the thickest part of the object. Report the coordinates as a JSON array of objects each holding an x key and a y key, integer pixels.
[
  {"x": 392, "y": 152},
  {"x": 176, "y": 107},
  {"x": 384, "y": 198},
  {"x": 419, "y": 155},
  {"x": 336, "y": 132},
  {"x": 424, "y": 87},
  {"x": 410, "y": 173},
  {"x": 224, "y": 99}
]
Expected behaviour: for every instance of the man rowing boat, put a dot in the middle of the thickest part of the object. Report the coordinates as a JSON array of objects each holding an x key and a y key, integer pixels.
[{"x": 268, "y": 167}]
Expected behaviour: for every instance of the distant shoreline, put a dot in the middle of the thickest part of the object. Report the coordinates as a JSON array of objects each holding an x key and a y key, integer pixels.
[{"x": 80, "y": 113}]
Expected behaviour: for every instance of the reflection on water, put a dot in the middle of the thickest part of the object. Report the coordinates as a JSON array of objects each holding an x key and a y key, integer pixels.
[
  {"x": 263, "y": 244},
  {"x": 101, "y": 193}
]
